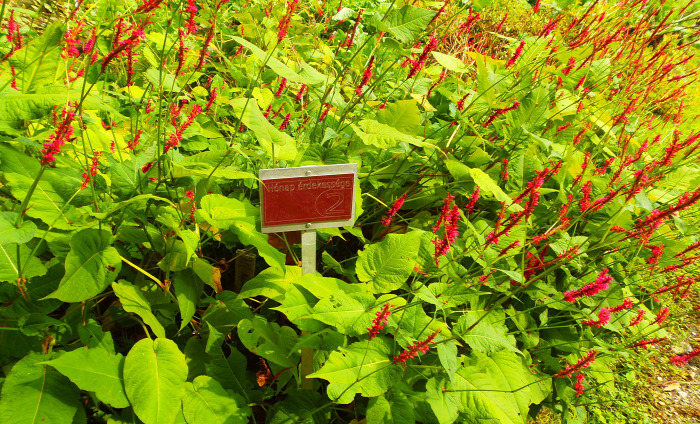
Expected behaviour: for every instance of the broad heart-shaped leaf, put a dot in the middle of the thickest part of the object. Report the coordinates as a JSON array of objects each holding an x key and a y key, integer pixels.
[
  {"x": 36, "y": 394},
  {"x": 386, "y": 265},
  {"x": 37, "y": 63},
  {"x": 92, "y": 336},
  {"x": 9, "y": 267},
  {"x": 245, "y": 229},
  {"x": 271, "y": 282},
  {"x": 409, "y": 21},
  {"x": 403, "y": 115},
  {"x": 232, "y": 372},
  {"x": 390, "y": 408},
  {"x": 91, "y": 265},
  {"x": 374, "y": 133},
  {"x": 349, "y": 313},
  {"x": 222, "y": 212},
  {"x": 498, "y": 388},
  {"x": 133, "y": 300},
  {"x": 9, "y": 233},
  {"x": 94, "y": 370},
  {"x": 269, "y": 340},
  {"x": 206, "y": 401},
  {"x": 487, "y": 185},
  {"x": 485, "y": 336},
  {"x": 154, "y": 378},
  {"x": 47, "y": 203},
  {"x": 450, "y": 63},
  {"x": 363, "y": 367},
  {"x": 266, "y": 133}
]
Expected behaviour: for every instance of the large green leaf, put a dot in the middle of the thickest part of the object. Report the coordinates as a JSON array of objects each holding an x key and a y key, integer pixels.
[
  {"x": 271, "y": 282},
  {"x": 374, "y": 133},
  {"x": 485, "y": 336},
  {"x": 10, "y": 233},
  {"x": 445, "y": 405},
  {"x": 267, "y": 134},
  {"x": 363, "y": 367},
  {"x": 47, "y": 202},
  {"x": 34, "y": 394},
  {"x": 409, "y": 21},
  {"x": 498, "y": 388},
  {"x": 91, "y": 265},
  {"x": 37, "y": 63},
  {"x": 269, "y": 340},
  {"x": 94, "y": 370},
  {"x": 349, "y": 313},
  {"x": 222, "y": 212},
  {"x": 403, "y": 115},
  {"x": 386, "y": 265},
  {"x": 154, "y": 378},
  {"x": 206, "y": 401},
  {"x": 450, "y": 63},
  {"x": 133, "y": 300},
  {"x": 280, "y": 68},
  {"x": 390, "y": 408},
  {"x": 9, "y": 266},
  {"x": 232, "y": 372}
]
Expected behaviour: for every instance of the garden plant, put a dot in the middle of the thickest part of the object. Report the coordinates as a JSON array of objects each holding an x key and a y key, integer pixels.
[{"x": 526, "y": 209}]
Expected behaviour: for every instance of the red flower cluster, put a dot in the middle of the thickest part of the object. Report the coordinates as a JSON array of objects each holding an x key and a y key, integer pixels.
[
  {"x": 584, "y": 362},
  {"x": 516, "y": 55},
  {"x": 603, "y": 318},
  {"x": 283, "y": 85},
  {"x": 637, "y": 319},
  {"x": 601, "y": 283},
  {"x": 449, "y": 218},
  {"x": 418, "y": 64},
  {"x": 392, "y": 210},
  {"x": 683, "y": 359},
  {"x": 412, "y": 351},
  {"x": 62, "y": 135},
  {"x": 499, "y": 112},
  {"x": 379, "y": 321},
  {"x": 87, "y": 176},
  {"x": 579, "y": 378},
  {"x": 649, "y": 342},
  {"x": 176, "y": 137},
  {"x": 191, "y": 10},
  {"x": 286, "y": 20},
  {"x": 366, "y": 76}
]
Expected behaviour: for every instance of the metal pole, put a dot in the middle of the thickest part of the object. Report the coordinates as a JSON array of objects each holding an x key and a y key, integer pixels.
[{"x": 308, "y": 266}]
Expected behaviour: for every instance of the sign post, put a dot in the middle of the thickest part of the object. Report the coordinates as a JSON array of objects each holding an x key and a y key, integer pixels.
[{"x": 304, "y": 199}]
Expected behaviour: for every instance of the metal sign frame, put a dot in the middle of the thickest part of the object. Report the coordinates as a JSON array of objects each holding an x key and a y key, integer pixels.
[{"x": 307, "y": 171}]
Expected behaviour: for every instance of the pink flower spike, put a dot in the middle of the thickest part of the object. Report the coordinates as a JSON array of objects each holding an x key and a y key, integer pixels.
[
  {"x": 683, "y": 359},
  {"x": 601, "y": 283},
  {"x": 392, "y": 210},
  {"x": 378, "y": 323}
]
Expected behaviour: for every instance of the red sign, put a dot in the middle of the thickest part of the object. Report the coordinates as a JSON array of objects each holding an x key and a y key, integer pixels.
[{"x": 307, "y": 199}]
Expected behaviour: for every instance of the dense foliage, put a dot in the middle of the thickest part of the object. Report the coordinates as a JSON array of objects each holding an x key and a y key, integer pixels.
[{"x": 525, "y": 213}]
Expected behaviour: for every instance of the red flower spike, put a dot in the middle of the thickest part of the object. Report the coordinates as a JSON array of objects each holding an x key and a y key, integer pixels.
[
  {"x": 414, "y": 349},
  {"x": 60, "y": 136},
  {"x": 579, "y": 382},
  {"x": 683, "y": 359},
  {"x": 392, "y": 210},
  {"x": 283, "y": 85},
  {"x": 366, "y": 76},
  {"x": 418, "y": 64},
  {"x": 378, "y": 323},
  {"x": 584, "y": 362},
  {"x": 601, "y": 283},
  {"x": 603, "y": 318},
  {"x": 661, "y": 316},
  {"x": 516, "y": 55},
  {"x": 638, "y": 318},
  {"x": 649, "y": 342}
]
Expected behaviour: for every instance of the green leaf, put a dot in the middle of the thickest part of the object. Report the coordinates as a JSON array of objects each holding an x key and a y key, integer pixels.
[
  {"x": 363, "y": 367},
  {"x": 188, "y": 287},
  {"x": 487, "y": 185},
  {"x": 154, "y": 378},
  {"x": 409, "y": 21},
  {"x": 445, "y": 405},
  {"x": 232, "y": 373},
  {"x": 91, "y": 265},
  {"x": 94, "y": 370},
  {"x": 280, "y": 68},
  {"x": 9, "y": 266},
  {"x": 269, "y": 340},
  {"x": 250, "y": 236},
  {"x": 386, "y": 265},
  {"x": 450, "y": 63},
  {"x": 222, "y": 212},
  {"x": 206, "y": 401},
  {"x": 485, "y": 336},
  {"x": 497, "y": 388},
  {"x": 403, "y": 115},
  {"x": 33, "y": 394},
  {"x": 133, "y": 300},
  {"x": 266, "y": 133},
  {"x": 9, "y": 233},
  {"x": 349, "y": 313},
  {"x": 92, "y": 336},
  {"x": 390, "y": 408},
  {"x": 373, "y": 133},
  {"x": 272, "y": 283},
  {"x": 160, "y": 78},
  {"x": 37, "y": 62}
]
